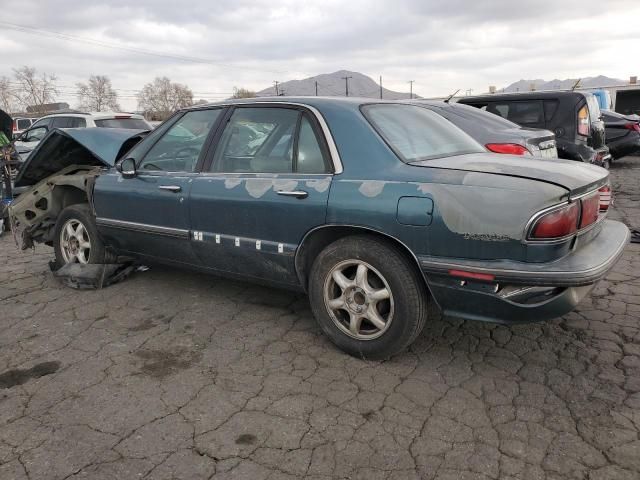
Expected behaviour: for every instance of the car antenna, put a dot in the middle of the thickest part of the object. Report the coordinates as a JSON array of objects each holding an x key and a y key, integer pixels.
[
  {"x": 575, "y": 85},
  {"x": 451, "y": 96}
]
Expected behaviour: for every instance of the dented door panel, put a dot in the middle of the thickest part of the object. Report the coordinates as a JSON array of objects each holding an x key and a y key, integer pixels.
[{"x": 243, "y": 225}]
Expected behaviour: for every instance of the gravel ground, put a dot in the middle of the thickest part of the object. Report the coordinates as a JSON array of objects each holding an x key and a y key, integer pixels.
[{"x": 175, "y": 375}]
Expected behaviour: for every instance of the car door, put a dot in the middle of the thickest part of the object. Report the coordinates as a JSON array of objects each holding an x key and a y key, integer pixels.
[
  {"x": 148, "y": 214},
  {"x": 264, "y": 188}
]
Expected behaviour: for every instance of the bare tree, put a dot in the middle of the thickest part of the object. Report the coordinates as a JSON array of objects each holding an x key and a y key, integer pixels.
[
  {"x": 243, "y": 93},
  {"x": 34, "y": 90},
  {"x": 97, "y": 95},
  {"x": 7, "y": 95},
  {"x": 162, "y": 97}
]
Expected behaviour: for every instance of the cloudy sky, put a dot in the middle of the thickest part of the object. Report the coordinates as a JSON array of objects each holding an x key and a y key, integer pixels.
[{"x": 213, "y": 46}]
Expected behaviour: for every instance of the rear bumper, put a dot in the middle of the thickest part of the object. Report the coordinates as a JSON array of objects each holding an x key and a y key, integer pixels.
[{"x": 525, "y": 292}]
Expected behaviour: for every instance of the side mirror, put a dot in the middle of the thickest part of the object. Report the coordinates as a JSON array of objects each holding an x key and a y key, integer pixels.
[{"x": 127, "y": 167}]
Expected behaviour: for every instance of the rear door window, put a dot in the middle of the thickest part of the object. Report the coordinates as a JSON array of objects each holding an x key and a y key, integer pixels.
[
  {"x": 257, "y": 140},
  {"x": 62, "y": 122},
  {"x": 132, "y": 123},
  {"x": 310, "y": 157},
  {"x": 77, "y": 122}
]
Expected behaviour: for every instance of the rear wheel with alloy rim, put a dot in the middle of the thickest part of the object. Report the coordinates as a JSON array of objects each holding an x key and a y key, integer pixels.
[
  {"x": 358, "y": 299},
  {"x": 367, "y": 296}
]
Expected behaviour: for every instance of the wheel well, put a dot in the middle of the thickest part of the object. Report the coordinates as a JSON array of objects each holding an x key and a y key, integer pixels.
[
  {"x": 67, "y": 195},
  {"x": 317, "y": 240}
]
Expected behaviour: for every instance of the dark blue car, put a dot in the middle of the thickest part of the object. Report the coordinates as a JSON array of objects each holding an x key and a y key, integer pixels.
[{"x": 370, "y": 207}]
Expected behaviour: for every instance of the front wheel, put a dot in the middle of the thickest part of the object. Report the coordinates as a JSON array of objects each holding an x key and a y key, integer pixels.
[
  {"x": 76, "y": 238},
  {"x": 367, "y": 297}
]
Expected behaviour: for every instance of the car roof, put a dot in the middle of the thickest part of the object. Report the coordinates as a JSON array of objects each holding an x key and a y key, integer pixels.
[
  {"x": 537, "y": 95},
  {"x": 311, "y": 101},
  {"x": 97, "y": 115}
]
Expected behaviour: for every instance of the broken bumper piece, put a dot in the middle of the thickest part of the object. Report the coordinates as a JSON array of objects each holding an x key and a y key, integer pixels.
[{"x": 92, "y": 276}]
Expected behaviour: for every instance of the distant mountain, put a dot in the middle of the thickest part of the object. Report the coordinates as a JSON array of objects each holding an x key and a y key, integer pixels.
[
  {"x": 525, "y": 85},
  {"x": 333, "y": 84}
]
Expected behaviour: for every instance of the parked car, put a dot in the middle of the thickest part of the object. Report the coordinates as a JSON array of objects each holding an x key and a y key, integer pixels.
[
  {"x": 27, "y": 141},
  {"x": 370, "y": 207},
  {"x": 495, "y": 133},
  {"x": 20, "y": 124},
  {"x": 623, "y": 133},
  {"x": 574, "y": 118}
]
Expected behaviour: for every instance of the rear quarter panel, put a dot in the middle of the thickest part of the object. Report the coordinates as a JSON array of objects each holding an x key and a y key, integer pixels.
[{"x": 473, "y": 215}]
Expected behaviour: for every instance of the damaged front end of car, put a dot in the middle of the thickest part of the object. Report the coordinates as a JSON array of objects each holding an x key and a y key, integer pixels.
[{"x": 60, "y": 172}]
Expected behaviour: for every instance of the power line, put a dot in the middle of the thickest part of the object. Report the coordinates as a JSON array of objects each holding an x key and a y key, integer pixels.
[{"x": 100, "y": 43}]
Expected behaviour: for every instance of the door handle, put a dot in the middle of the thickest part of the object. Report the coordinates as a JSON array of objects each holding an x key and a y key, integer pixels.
[
  {"x": 293, "y": 193},
  {"x": 170, "y": 188}
]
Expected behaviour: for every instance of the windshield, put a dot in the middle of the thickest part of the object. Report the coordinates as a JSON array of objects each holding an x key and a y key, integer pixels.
[
  {"x": 133, "y": 123},
  {"x": 415, "y": 133}
]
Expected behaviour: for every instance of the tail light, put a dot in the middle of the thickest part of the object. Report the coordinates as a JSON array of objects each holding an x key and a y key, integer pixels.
[
  {"x": 590, "y": 209},
  {"x": 605, "y": 198},
  {"x": 557, "y": 223},
  {"x": 509, "y": 148},
  {"x": 572, "y": 217},
  {"x": 633, "y": 126},
  {"x": 15, "y": 126},
  {"x": 583, "y": 121}
]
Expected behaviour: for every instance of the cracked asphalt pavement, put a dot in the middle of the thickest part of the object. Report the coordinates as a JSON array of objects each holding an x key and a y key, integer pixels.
[{"x": 176, "y": 375}]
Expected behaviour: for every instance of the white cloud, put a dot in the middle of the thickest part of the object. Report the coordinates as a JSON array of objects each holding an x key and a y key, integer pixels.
[{"x": 442, "y": 44}]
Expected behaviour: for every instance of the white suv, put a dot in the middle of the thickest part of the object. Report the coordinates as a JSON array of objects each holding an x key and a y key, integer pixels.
[{"x": 28, "y": 140}]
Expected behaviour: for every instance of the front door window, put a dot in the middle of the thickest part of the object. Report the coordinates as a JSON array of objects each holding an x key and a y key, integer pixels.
[{"x": 179, "y": 148}]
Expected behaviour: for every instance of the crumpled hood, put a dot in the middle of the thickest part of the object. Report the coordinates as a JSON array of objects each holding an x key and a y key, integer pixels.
[
  {"x": 577, "y": 177},
  {"x": 76, "y": 146}
]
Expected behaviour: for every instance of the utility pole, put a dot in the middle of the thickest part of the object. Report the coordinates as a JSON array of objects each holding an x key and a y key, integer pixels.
[
  {"x": 411, "y": 89},
  {"x": 275, "y": 82},
  {"x": 380, "y": 87},
  {"x": 316, "y": 88},
  {"x": 346, "y": 85}
]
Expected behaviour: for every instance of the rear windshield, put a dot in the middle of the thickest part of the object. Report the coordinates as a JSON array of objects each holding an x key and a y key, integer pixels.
[
  {"x": 486, "y": 118},
  {"x": 415, "y": 133},
  {"x": 133, "y": 123}
]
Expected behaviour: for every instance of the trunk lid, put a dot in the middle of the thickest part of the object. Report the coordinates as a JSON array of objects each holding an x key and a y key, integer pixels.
[
  {"x": 541, "y": 143},
  {"x": 576, "y": 177}
]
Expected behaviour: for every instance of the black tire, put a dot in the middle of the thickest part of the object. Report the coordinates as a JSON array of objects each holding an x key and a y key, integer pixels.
[
  {"x": 408, "y": 294},
  {"x": 80, "y": 213}
]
